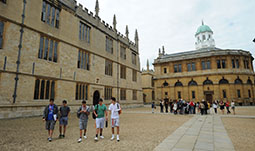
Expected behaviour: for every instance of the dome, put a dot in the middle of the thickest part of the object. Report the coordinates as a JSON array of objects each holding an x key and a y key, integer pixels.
[{"x": 203, "y": 28}]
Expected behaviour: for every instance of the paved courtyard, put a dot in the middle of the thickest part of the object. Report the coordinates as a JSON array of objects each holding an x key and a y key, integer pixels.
[{"x": 140, "y": 130}]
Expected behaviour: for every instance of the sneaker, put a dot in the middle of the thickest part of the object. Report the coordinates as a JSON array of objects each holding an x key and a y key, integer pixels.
[
  {"x": 102, "y": 137},
  {"x": 96, "y": 139},
  {"x": 60, "y": 136},
  {"x": 79, "y": 140},
  {"x": 63, "y": 136},
  {"x": 50, "y": 139},
  {"x": 85, "y": 137},
  {"x": 118, "y": 139},
  {"x": 112, "y": 138}
]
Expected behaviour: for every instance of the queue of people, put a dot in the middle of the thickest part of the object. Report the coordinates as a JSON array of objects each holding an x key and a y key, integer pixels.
[
  {"x": 190, "y": 107},
  {"x": 52, "y": 114}
]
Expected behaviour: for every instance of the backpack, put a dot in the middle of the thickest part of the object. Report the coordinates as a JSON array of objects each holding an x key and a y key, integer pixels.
[
  {"x": 118, "y": 107},
  {"x": 93, "y": 114}
]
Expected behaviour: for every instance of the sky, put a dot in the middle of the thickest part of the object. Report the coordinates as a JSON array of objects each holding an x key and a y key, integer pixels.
[{"x": 173, "y": 23}]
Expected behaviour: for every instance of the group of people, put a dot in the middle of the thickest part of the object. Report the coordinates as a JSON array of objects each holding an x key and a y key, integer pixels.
[
  {"x": 52, "y": 114},
  {"x": 190, "y": 107},
  {"x": 178, "y": 106}
]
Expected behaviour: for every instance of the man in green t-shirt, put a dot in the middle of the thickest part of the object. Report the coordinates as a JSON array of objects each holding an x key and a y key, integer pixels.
[{"x": 100, "y": 111}]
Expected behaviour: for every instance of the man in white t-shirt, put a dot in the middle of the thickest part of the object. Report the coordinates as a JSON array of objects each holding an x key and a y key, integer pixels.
[{"x": 115, "y": 110}]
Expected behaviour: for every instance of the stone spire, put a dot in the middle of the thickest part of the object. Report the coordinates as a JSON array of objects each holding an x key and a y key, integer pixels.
[
  {"x": 148, "y": 65},
  {"x": 114, "y": 22},
  {"x": 97, "y": 8},
  {"x": 127, "y": 32},
  {"x": 136, "y": 38},
  {"x": 163, "y": 50}
]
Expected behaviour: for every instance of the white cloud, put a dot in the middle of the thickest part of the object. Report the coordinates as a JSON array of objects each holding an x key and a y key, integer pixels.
[{"x": 173, "y": 23}]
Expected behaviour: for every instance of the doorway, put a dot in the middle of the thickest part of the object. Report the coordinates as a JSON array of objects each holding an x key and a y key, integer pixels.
[
  {"x": 209, "y": 98},
  {"x": 96, "y": 97}
]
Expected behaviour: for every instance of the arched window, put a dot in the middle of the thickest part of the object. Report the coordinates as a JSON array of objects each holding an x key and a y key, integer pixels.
[
  {"x": 238, "y": 81},
  {"x": 178, "y": 84},
  {"x": 249, "y": 81},
  {"x": 207, "y": 82},
  {"x": 192, "y": 83},
  {"x": 165, "y": 84},
  {"x": 223, "y": 81}
]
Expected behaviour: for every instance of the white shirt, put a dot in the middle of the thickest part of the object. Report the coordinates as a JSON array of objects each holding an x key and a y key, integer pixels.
[
  {"x": 114, "y": 110},
  {"x": 215, "y": 105}
]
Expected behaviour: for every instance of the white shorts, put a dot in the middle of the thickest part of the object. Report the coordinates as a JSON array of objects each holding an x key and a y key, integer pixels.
[
  {"x": 115, "y": 122},
  {"x": 100, "y": 122}
]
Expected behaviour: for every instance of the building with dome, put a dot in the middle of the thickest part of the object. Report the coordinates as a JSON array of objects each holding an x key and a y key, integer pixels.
[{"x": 208, "y": 73}]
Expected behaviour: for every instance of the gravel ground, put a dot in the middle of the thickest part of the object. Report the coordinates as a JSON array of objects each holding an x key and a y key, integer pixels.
[
  {"x": 241, "y": 132},
  {"x": 138, "y": 132}
]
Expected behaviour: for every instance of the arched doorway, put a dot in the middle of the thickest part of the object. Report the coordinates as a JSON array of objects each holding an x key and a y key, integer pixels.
[{"x": 96, "y": 97}]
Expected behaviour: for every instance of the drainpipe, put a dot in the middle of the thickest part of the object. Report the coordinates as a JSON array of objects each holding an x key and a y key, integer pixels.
[{"x": 19, "y": 52}]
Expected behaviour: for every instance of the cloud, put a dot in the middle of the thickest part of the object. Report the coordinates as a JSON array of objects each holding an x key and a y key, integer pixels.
[{"x": 173, "y": 23}]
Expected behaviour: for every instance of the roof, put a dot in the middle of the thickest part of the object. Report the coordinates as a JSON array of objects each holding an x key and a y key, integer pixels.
[{"x": 203, "y": 28}]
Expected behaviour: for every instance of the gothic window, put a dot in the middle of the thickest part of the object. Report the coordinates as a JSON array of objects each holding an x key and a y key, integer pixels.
[
  {"x": 165, "y": 70},
  {"x": 134, "y": 94},
  {"x": 133, "y": 58},
  {"x": 107, "y": 93},
  {"x": 238, "y": 93},
  {"x": 122, "y": 72},
  {"x": 134, "y": 77},
  {"x": 122, "y": 94},
  {"x": 192, "y": 83},
  {"x": 223, "y": 81},
  {"x": 84, "y": 32},
  {"x": 108, "y": 67},
  {"x": 83, "y": 60},
  {"x": 44, "y": 89},
  {"x": 179, "y": 95},
  {"x": 1, "y": 33},
  {"x": 109, "y": 45},
  {"x": 224, "y": 92},
  {"x": 46, "y": 48},
  {"x": 193, "y": 94},
  {"x": 178, "y": 83},
  {"x": 123, "y": 52},
  {"x": 50, "y": 14},
  {"x": 81, "y": 91}
]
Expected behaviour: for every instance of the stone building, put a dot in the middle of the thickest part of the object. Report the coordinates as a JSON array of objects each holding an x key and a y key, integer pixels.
[
  {"x": 205, "y": 73},
  {"x": 58, "y": 49}
]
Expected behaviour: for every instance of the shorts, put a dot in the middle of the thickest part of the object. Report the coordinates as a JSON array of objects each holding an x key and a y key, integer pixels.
[
  {"x": 63, "y": 121},
  {"x": 83, "y": 124},
  {"x": 115, "y": 122},
  {"x": 222, "y": 107},
  {"x": 233, "y": 108},
  {"x": 100, "y": 122},
  {"x": 50, "y": 125}
]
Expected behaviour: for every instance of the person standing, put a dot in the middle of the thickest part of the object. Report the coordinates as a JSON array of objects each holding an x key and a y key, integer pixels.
[
  {"x": 83, "y": 115},
  {"x": 191, "y": 107},
  {"x": 222, "y": 107},
  {"x": 50, "y": 115},
  {"x": 114, "y": 110},
  {"x": 166, "y": 104},
  {"x": 233, "y": 107},
  {"x": 202, "y": 107},
  {"x": 227, "y": 106},
  {"x": 215, "y": 106},
  {"x": 100, "y": 112},
  {"x": 161, "y": 106},
  {"x": 175, "y": 107},
  {"x": 64, "y": 111},
  {"x": 153, "y": 106}
]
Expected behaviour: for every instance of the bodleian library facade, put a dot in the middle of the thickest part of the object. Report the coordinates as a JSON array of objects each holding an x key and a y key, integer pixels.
[
  {"x": 58, "y": 49},
  {"x": 208, "y": 73}
]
